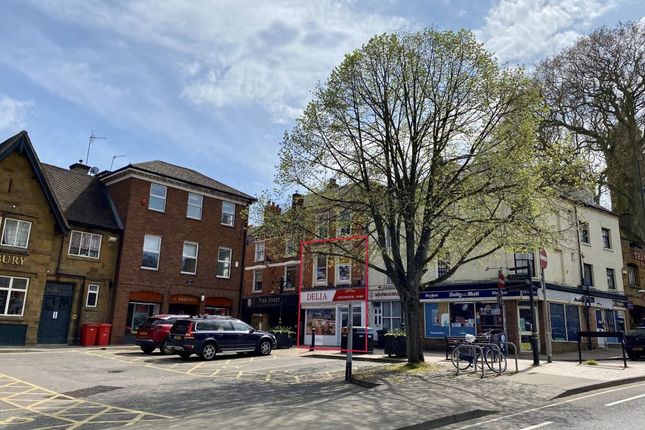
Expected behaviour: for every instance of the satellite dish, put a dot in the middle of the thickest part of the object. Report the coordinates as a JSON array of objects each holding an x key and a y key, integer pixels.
[{"x": 94, "y": 170}]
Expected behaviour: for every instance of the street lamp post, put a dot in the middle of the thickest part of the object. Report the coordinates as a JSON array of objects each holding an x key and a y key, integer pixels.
[{"x": 281, "y": 290}]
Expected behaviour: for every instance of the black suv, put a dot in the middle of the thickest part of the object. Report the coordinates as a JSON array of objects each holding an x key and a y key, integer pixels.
[{"x": 208, "y": 335}]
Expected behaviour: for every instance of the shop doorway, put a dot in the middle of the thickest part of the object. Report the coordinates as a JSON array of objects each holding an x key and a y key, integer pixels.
[
  {"x": 138, "y": 313},
  {"x": 55, "y": 313},
  {"x": 183, "y": 309},
  {"x": 525, "y": 319}
]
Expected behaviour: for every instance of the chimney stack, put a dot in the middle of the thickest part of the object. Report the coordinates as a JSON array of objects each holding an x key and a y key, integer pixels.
[
  {"x": 297, "y": 200},
  {"x": 271, "y": 208},
  {"x": 79, "y": 167}
]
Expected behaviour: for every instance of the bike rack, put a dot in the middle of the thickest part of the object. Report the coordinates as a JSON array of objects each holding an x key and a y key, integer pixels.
[
  {"x": 481, "y": 355},
  {"x": 514, "y": 353}
]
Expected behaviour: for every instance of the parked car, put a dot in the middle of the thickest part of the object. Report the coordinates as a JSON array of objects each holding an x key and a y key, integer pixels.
[
  {"x": 208, "y": 335},
  {"x": 153, "y": 333},
  {"x": 635, "y": 342}
]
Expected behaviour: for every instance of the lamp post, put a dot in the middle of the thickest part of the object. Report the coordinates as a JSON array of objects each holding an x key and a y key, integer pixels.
[{"x": 281, "y": 291}]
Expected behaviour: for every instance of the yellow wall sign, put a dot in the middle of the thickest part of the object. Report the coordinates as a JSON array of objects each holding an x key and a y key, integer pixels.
[{"x": 17, "y": 260}]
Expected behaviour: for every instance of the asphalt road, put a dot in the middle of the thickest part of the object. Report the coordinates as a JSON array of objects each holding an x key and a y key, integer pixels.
[
  {"x": 620, "y": 408},
  {"x": 95, "y": 389}
]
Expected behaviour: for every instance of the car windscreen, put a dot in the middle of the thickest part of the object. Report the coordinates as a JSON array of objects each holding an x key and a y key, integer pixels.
[
  {"x": 149, "y": 322},
  {"x": 181, "y": 326},
  {"x": 169, "y": 321}
]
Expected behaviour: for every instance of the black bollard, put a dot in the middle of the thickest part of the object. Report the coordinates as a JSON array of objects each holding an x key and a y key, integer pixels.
[{"x": 313, "y": 340}]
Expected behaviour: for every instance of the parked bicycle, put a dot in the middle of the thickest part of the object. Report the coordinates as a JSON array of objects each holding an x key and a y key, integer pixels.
[{"x": 468, "y": 353}]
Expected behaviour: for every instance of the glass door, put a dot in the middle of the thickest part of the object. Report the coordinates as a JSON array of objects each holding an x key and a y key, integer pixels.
[{"x": 525, "y": 320}]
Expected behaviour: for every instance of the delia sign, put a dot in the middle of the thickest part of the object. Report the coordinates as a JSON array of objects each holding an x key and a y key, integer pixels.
[{"x": 16, "y": 260}]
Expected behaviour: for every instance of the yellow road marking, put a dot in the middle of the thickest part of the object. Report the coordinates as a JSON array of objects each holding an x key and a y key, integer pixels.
[{"x": 197, "y": 366}]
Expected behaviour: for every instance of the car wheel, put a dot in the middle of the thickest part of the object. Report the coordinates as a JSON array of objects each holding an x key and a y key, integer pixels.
[
  {"x": 164, "y": 348},
  {"x": 184, "y": 355},
  {"x": 265, "y": 347},
  {"x": 209, "y": 351},
  {"x": 147, "y": 349},
  {"x": 633, "y": 356}
]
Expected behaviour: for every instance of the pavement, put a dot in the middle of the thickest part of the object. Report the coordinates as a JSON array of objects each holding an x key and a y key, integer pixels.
[{"x": 290, "y": 389}]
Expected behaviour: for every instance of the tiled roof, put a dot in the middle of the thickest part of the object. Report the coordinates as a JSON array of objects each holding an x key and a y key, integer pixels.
[
  {"x": 82, "y": 197},
  {"x": 189, "y": 176}
]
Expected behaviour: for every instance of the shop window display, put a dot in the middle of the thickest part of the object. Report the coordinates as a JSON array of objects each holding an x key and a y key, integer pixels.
[
  {"x": 489, "y": 317},
  {"x": 462, "y": 319}
]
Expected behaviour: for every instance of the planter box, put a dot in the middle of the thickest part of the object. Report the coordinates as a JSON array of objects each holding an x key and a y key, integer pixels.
[
  {"x": 283, "y": 340},
  {"x": 396, "y": 345}
]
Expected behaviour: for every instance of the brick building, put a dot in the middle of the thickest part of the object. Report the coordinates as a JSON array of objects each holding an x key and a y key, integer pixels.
[
  {"x": 183, "y": 243},
  {"x": 58, "y": 248},
  {"x": 634, "y": 276},
  {"x": 272, "y": 278}
]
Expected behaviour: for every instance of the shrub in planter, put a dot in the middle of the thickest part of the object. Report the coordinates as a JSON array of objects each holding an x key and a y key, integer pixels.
[
  {"x": 396, "y": 343},
  {"x": 283, "y": 336}
]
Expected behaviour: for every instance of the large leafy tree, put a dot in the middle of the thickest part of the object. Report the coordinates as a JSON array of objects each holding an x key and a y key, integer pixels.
[
  {"x": 431, "y": 145},
  {"x": 595, "y": 91}
]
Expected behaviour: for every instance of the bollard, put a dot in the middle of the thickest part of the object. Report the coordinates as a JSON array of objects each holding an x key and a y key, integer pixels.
[{"x": 313, "y": 339}]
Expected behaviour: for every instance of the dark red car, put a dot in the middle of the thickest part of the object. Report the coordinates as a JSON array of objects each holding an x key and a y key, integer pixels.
[{"x": 154, "y": 333}]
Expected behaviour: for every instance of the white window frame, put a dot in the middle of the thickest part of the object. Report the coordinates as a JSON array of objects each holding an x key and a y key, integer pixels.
[
  {"x": 608, "y": 237},
  {"x": 345, "y": 223},
  {"x": 632, "y": 276},
  {"x": 89, "y": 291},
  {"x": 584, "y": 226},
  {"x": 443, "y": 265},
  {"x": 284, "y": 278},
  {"x": 82, "y": 233},
  {"x": 194, "y": 205},
  {"x": 158, "y": 252},
  {"x": 337, "y": 272},
  {"x": 230, "y": 261},
  {"x": 259, "y": 245},
  {"x": 592, "y": 284},
  {"x": 609, "y": 270},
  {"x": 255, "y": 274},
  {"x": 19, "y": 221},
  {"x": 315, "y": 280},
  {"x": 183, "y": 255},
  {"x": 290, "y": 248},
  {"x": 388, "y": 280},
  {"x": 151, "y": 195},
  {"x": 9, "y": 289},
  {"x": 224, "y": 203}
]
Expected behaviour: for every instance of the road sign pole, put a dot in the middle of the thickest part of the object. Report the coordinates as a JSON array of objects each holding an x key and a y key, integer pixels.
[
  {"x": 547, "y": 313},
  {"x": 501, "y": 285},
  {"x": 350, "y": 346},
  {"x": 534, "y": 333}
]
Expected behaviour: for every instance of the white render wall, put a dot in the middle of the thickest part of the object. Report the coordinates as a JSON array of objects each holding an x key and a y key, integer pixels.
[{"x": 563, "y": 261}]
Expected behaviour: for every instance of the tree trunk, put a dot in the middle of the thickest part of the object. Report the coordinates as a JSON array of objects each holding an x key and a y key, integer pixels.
[
  {"x": 624, "y": 176},
  {"x": 412, "y": 325}
]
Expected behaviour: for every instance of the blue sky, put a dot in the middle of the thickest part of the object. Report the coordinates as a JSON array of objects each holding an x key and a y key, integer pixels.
[{"x": 213, "y": 85}]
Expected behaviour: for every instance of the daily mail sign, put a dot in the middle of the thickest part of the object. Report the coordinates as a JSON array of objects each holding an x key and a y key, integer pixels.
[{"x": 326, "y": 296}]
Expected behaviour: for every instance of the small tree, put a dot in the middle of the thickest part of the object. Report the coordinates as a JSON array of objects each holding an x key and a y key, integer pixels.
[{"x": 432, "y": 147}]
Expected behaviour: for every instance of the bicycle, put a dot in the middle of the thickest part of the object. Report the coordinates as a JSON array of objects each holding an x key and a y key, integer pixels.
[{"x": 467, "y": 354}]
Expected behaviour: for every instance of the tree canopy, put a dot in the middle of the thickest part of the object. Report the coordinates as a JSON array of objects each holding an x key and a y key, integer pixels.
[
  {"x": 595, "y": 92},
  {"x": 433, "y": 144}
]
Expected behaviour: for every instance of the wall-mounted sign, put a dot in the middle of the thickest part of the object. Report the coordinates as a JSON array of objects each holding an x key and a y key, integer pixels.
[
  {"x": 389, "y": 294},
  {"x": 339, "y": 295},
  {"x": 16, "y": 260}
]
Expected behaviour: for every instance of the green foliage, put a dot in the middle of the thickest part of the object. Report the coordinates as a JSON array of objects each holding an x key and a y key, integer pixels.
[
  {"x": 281, "y": 329},
  {"x": 397, "y": 333}
]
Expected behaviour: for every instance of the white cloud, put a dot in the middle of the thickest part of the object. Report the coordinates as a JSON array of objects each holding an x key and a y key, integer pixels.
[
  {"x": 521, "y": 30},
  {"x": 232, "y": 53},
  {"x": 12, "y": 114}
]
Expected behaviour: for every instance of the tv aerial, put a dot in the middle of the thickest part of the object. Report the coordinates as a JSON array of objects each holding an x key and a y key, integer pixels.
[
  {"x": 89, "y": 144},
  {"x": 114, "y": 157}
]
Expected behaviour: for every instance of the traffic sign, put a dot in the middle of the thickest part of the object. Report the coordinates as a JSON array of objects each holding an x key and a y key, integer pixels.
[
  {"x": 501, "y": 280},
  {"x": 543, "y": 259}
]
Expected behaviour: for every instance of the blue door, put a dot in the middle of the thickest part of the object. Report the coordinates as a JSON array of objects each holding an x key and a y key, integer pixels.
[{"x": 55, "y": 313}]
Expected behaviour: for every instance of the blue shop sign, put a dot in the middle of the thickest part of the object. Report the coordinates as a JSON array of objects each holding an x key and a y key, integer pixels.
[{"x": 467, "y": 294}]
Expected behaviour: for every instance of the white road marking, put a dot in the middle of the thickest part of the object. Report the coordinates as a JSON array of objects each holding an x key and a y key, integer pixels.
[
  {"x": 537, "y": 426},
  {"x": 564, "y": 402},
  {"x": 625, "y": 400}
]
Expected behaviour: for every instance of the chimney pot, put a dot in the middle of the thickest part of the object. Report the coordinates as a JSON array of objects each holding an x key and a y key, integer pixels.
[{"x": 79, "y": 167}]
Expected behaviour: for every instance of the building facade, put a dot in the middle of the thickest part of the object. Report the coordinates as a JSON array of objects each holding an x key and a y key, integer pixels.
[
  {"x": 58, "y": 249},
  {"x": 183, "y": 244},
  {"x": 583, "y": 288},
  {"x": 634, "y": 278}
]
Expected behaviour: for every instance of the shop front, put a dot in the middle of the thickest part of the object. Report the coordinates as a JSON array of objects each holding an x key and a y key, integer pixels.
[
  {"x": 385, "y": 309},
  {"x": 218, "y": 306},
  {"x": 141, "y": 306},
  {"x": 325, "y": 313},
  {"x": 265, "y": 312},
  {"x": 183, "y": 304}
]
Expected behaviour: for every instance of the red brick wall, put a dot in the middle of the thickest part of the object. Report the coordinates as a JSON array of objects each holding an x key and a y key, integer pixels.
[{"x": 131, "y": 197}]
